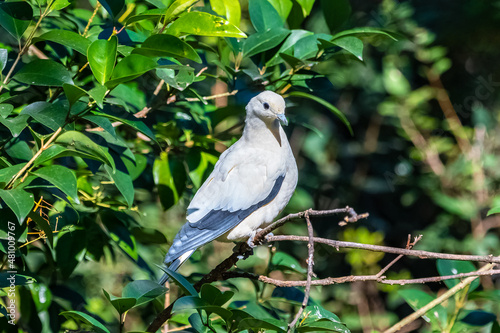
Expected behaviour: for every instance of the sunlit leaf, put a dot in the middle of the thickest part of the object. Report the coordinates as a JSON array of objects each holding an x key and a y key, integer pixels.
[
  {"x": 67, "y": 38},
  {"x": 15, "y": 17},
  {"x": 19, "y": 201},
  {"x": 102, "y": 58},
  {"x": 87, "y": 319},
  {"x": 204, "y": 24},
  {"x": 167, "y": 46},
  {"x": 43, "y": 72},
  {"x": 62, "y": 177}
]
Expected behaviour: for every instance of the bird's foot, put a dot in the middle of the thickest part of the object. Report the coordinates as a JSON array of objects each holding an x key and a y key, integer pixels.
[
  {"x": 250, "y": 242},
  {"x": 266, "y": 239}
]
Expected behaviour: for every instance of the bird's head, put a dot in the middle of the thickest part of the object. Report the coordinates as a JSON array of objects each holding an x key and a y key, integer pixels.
[{"x": 269, "y": 107}]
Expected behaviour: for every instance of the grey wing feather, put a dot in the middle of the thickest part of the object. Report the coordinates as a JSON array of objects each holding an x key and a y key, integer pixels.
[{"x": 213, "y": 225}]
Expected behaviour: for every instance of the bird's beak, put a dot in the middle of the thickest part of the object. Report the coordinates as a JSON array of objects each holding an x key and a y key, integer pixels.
[{"x": 281, "y": 117}]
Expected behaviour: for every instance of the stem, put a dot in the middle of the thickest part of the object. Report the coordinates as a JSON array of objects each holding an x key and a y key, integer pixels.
[{"x": 38, "y": 153}]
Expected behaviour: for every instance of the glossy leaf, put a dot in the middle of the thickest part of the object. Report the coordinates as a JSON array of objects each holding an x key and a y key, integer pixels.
[
  {"x": 19, "y": 201},
  {"x": 177, "y": 8},
  {"x": 51, "y": 115},
  {"x": 479, "y": 318},
  {"x": 143, "y": 291},
  {"x": 102, "y": 57},
  {"x": 306, "y": 6},
  {"x": 167, "y": 46},
  {"x": 417, "y": 299},
  {"x": 15, "y": 17},
  {"x": 263, "y": 15},
  {"x": 67, "y": 38},
  {"x": 214, "y": 296},
  {"x": 284, "y": 261},
  {"x": 83, "y": 144},
  {"x": 364, "y": 32},
  {"x": 73, "y": 93},
  {"x": 62, "y": 177},
  {"x": 59, "y": 4},
  {"x": 113, "y": 7},
  {"x": 130, "y": 68},
  {"x": 322, "y": 325},
  {"x": 283, "y": 7},
  {"x": 288, "y": 45},
  {"x": 102, "y": 122},
  {"x": 151, "y": 14},
  {"x": 6, "y": 174},
  {"x": 4, "y": 57},
  {"x": 181, "y": 281},
  {"x": 127, "y": 119},
  {"x": 229, "y": 9},
  {"x": 87, "y": 319},
  {"x": 451, "y": 267},
  {"x": 121, "y": 304},
  {"x": 204, "y": 24},
  {"x": 5, "y": 110},
  {"x": 15, "y": 124},
  {"x": 494, "y": 210},
  {"x": 97, "y": 94},
  {"x": 329, "y": 106},
  {"x": 351, "y": 44},
  {"x": 50, "y": 153},
  {"x": 123, "y": 183},
  {"x": 43, "y": 72},
  {"x": 264, "y": 41},
  {"x": 194, "y": 302}
]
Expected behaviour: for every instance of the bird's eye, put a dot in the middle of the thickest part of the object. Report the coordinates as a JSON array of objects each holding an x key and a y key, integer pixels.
[{"x": 266, "y": 106}]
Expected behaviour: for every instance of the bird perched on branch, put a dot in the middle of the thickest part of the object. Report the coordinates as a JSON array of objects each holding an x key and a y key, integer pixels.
[{"x": 250, "y": 185}]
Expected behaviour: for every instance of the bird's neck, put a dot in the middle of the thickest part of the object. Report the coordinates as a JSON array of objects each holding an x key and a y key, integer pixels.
[{"x": 257, "y": 130}]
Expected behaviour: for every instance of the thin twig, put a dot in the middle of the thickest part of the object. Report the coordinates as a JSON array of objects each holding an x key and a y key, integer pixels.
[
  {"x": 420, "y": 312},
  {"x": 97, "y": 6},
  {"x": 310, "y": 264},
  {"x": 207, "y": 98},
  {"x": 352, "y": 278},
  {"x": 409, "y": 246},
  {"x": 387, "y": 249}
]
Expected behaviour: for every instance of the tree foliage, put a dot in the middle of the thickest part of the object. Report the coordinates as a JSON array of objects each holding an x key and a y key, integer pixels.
[{"x": 116, "y": 111}]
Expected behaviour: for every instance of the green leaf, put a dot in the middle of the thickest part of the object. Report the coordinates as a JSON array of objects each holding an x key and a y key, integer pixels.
[
  {"x": 59, "y": 4},
  {"x": 4, "y": 57},
  {"x": 177, "y": 8},
  {"x": 418, "y": 299},
  {"x": 308, "y": 46},
  {"x": 127, "y": 119},
  {"x": 130, "y": 68},
  {"x": 113, "y": 7},
  {"x": 43, "y": 225},
  {"x": 452, "y": 267},
  {"x": 204, "y": 24},
  {"x": 50, "y": 153},
  {"x": 123, "y": 183},
  {"x": 322, "y": 325},
  {"x": 196, "y": 303},
  {"x": 263, "y": 41},
  {"x": 51, "y": 115},
  {"x": 167, "y": 46},
  {"x": 102, "y": 122},
  {"x": 479, "y": 318},
  {"x": 73, "y": 93},
  {"x": 318, "y": 312},
  {"x": 121, "y": 304},
  {"x": 62, "y": 178},
  {"x": 264, "y": 324},
  {"x": 351, "y": 44},
  {"x": 87, "y": 319},
  {"x": 288, "y": 45},
  {"x": 102, "y": 57},
  {"x": 263, "y": 15},
  {"x": 43, "y": 72},
  {"x": 15, "y": 124},
  {"x": 143, "y": 291},
  {"x": 67, "y": 38},
  {"x": 151, "y": 14},
  {"x": 15, "y": 17},
  {"x": 329, "y": 106},
  {"x": 97, "y": 94},
  {"x": 283, "y": 7},
  {"x": 214, "y": 296},
  {"x": 181, "y": 281},
  {"x": 18, "y": 281},
  {"x": 336, "y": 12},
  {"x": 83, "y": 144},
  {"x": 229, "y": 9},
  {"x": 307, "y": 6},
  {"x": 284, "y": 261},
  {"x": 494, "y": 210},
  {"x": 6, "y": 174},
  {"x": 169, "y": 176},
  {"x": 19, "y": 201},
  {"x": 365, "y": 32}
]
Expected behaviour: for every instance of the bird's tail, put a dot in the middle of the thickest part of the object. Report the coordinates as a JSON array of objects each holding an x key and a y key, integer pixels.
[{"x": 175, "y": 265}]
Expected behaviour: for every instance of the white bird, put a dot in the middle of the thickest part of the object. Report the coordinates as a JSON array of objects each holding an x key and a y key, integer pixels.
[{"x": 250, "y": 185}]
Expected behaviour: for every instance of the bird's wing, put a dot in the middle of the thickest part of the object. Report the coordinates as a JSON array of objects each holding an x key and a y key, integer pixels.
[{"x": 242, "y": 181}]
